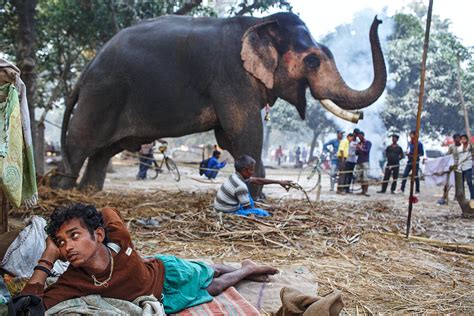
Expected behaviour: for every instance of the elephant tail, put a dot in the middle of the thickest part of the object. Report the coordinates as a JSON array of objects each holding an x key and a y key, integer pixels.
[{"x": 70, "y": 103}]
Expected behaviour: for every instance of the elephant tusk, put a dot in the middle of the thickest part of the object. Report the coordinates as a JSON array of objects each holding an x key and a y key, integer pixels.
[{"x": 332, "y": 107}]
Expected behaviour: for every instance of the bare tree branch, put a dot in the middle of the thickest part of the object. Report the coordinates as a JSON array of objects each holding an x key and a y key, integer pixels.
[{"x": 188, "y": 6}]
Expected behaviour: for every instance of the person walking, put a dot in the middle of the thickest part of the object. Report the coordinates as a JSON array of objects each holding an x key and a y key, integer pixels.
[
  {"x": 409, "y": 166},
  {"x": 393, "y": 153},
  {"x": 363, "y": 156},
  {"x": 347, "y": 153},
  {"x": 465, "y": 163},
  {"x": 334, "y": 144}
]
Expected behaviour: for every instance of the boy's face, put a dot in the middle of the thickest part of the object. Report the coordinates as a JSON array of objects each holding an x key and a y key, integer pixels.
[
  {"x": 76, "y": 244},
  {"x": 463, "y": 139},
  {"x": 248, "y": 172}
]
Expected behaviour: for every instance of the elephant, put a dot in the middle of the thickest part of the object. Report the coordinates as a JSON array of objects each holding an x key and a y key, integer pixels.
[{"x": 178, "y": 75}]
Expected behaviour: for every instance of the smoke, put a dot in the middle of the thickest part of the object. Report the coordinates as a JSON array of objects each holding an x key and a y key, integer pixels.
[{"x": 351, "y": 48}]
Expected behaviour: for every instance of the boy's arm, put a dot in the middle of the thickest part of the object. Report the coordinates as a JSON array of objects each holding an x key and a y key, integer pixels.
[
  {"x": 116, "y": 230},
  {"x": 263, "y": 181}
]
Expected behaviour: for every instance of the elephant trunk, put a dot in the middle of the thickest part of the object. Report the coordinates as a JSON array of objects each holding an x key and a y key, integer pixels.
[{"x": 350, "y": 99}]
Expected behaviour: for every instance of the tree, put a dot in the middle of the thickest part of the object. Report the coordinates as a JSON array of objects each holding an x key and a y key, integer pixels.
[
  {"x": 404, "y": 59},
  {"x": 286, "y": 119}
]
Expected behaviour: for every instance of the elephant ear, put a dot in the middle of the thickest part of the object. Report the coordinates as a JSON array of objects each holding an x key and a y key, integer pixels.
[{"x": 259, "y": 55}]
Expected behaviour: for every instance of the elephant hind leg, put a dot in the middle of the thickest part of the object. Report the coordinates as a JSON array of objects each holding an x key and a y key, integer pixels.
[{"x": 95, "y": 173}]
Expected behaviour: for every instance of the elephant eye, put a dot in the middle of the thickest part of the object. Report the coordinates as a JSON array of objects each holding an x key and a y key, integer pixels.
[{"x": 312, "y": 61}]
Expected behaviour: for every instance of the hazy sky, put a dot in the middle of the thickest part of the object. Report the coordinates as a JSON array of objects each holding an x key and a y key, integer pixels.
[{"x": 322, "y": 17}]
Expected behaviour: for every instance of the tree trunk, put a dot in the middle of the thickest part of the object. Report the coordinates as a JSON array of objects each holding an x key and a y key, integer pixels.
[
  {"x": 467, "y": 207},
  {"x": 313, "y": 144},
  {"x": 26, "y": 60},
  {"x": 39, "y": 149},
  {"x": 266, "y": 141}
]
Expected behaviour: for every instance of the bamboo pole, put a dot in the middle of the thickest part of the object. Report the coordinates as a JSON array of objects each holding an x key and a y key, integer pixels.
[
  {"x": 418, "y": 116},
  {"x": 3, "y": 213},
  {"x": 461, "y": 96}
]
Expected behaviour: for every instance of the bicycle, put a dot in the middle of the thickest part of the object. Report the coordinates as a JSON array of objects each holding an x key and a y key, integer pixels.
[
  {"x": 170, "y": 164},
  {"x": 306, "y": 175}
]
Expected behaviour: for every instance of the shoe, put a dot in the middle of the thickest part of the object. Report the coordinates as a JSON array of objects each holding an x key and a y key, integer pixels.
[
  {"x": 393, "y": 192},
  {"x": 441, "y": 201},
  {"x": 341, "y": 192},
  {"x": 366, "y": 194},
  {"x": 417, "y": 192},
  {"x": 381, "y": 191}
]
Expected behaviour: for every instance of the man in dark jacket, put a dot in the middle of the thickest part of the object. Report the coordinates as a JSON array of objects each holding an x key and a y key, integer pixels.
[
  {"x": 394, "y": 154},
  {"x": 409, "y": 166}
]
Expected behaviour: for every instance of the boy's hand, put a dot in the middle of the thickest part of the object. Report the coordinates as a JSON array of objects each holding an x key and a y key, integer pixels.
[
  {"x": 51, "y": 252},
  {"x": 285, "y": 184}
]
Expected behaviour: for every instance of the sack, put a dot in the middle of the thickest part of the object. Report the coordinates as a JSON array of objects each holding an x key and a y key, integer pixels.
[
  {"x": 25, "y": 251},
  {"x": 203, "y": 166}
]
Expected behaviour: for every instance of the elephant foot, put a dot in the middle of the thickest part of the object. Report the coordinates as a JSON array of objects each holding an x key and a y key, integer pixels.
[
  {"x": 58, "y": 181},
  {"x": 91, "y": 184}
]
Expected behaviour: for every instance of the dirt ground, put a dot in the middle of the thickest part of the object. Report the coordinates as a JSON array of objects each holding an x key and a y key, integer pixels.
[{"x": 440, "y": 222}]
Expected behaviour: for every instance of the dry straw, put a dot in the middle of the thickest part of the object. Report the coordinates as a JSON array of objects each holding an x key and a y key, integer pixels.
[{"x": 352, "y": 247}]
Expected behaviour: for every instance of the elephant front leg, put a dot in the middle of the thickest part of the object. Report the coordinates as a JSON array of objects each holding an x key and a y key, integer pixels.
[{"x": 245, "y": 141}]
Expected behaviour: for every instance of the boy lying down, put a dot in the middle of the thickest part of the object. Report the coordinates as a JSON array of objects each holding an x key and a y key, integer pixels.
[{"x": 103, "y": 261}]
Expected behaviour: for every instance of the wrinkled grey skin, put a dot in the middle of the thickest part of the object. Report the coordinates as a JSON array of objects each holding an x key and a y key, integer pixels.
[{"x": 176, "y": 75}]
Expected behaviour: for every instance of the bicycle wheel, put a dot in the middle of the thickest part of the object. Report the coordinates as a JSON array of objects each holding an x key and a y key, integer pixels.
[
  {"x": 154, "y": 170},
  {"x": 309, "y": 178},
  {"x": 173, "y": 169}
]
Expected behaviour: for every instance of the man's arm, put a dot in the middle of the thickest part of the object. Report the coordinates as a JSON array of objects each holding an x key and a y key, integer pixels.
[
  {"x": 325, "y": 146},
  {"x": 35, "y": 285},
  {"x": 116, "y": 230}
]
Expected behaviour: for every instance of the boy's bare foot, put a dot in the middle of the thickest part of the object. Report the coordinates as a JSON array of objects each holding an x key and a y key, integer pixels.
[{"x": 258, "y": 270}]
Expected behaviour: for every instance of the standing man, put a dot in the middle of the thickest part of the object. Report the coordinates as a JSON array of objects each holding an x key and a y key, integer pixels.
[
  {"x": 342, "y": 155},
  {"x": 304, "y": 155},
  {"x": 145, "y": 160},
  {"x": 452, "y": 150},
  {"x": 394, "y": 154},
  {"x": 298, "y": 163},
  {"x": 279, "y": 154},
  {"x": 409, "y": 165},
  {"x": 334, "y": 143},
  {"x": 363, "y": 154},
  {"x": 465, "y": 163}
]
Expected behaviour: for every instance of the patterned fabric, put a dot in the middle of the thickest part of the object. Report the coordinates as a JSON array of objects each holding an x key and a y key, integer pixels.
[
  {"x": 96, "y": 305},
  {"x": 233, "y": 194},
  {"x": 11, "y": 152},
  {"x": 29, "y": 191},
  {"x": 230, "y": 302}
]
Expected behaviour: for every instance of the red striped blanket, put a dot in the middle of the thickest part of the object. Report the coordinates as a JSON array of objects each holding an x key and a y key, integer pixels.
[{"x": 230, "y": 302}]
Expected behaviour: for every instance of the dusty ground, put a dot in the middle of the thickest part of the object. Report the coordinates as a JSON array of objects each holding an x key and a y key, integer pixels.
[
  {"x": 349, "y": 242},
  {"x": 437, "y": 221}
]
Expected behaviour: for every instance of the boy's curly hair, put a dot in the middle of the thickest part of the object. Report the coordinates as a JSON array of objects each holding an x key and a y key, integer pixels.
[{"x": 90, "y": 218}]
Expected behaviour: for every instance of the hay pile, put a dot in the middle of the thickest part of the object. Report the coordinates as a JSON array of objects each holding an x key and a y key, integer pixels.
[{"x": 353, "y": 247}]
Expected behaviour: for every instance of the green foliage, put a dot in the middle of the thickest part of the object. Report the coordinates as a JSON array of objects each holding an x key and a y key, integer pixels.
[
  {"x": 285, "y": 118},
  {"x": 442, "y": 112}
]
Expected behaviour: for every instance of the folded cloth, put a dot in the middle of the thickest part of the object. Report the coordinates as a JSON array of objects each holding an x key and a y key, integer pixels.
[
  {"x": 97, "y": 305},
  {"x": 16, "y": 135},
  {"x": 437, "y": 171},
  {"x": 296, "y": 303}
]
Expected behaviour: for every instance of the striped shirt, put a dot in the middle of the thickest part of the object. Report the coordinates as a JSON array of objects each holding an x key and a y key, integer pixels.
[{"x": 232, "y": 194}]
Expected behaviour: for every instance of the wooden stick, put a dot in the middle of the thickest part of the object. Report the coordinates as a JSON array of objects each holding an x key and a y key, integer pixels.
[{"x": 418, "y": 116}]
